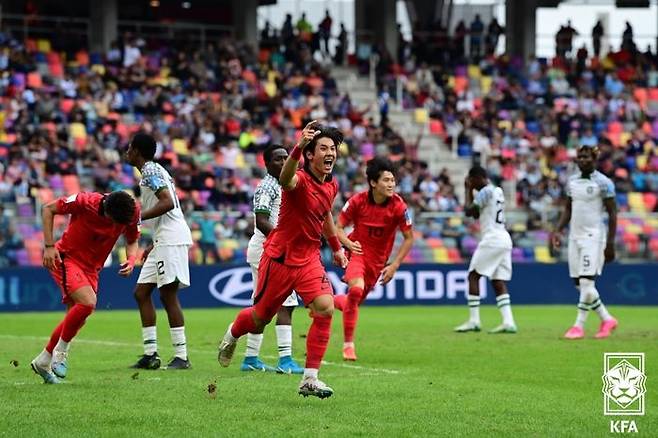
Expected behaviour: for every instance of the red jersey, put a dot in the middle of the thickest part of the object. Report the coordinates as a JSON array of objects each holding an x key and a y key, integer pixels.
[
  {"x": 90, "y": 236},
  {"x": 375, "y": 224},
  {"x": 296, "y": 238}
]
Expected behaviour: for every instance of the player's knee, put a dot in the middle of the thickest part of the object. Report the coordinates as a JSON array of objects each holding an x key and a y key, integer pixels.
[{"x": 473, "y": 277}]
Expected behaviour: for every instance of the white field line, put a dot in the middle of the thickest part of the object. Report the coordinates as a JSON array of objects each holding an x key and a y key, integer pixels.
[{"x": 200, "y": 351}]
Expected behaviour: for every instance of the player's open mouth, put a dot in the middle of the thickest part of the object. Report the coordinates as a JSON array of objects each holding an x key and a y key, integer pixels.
[{"x": 328, "y": 163}]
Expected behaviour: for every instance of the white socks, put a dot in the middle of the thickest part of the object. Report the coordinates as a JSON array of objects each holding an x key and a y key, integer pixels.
[
  {"x": 44, "y": 358},
  {"x": 149, "y": 337},
  {"x": 310, "y": 373},
  {"x": 583, "y": 309},
  {"x": 592, "y": 298},
  {"x": 505, "y": 306},
  {"x": 179, "y": 342},
  {"x": 284, "y": 339},
  {"x": 474, "y": 308},
  {"x": 254, "y": 341}
]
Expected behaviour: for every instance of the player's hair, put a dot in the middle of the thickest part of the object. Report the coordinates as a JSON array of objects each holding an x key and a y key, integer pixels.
[
  {"x": 594, "y": 150},
  {"x": 477, "y": 172},
  {"x": 325, "y": 131},
  {"x": 145, "y": 144},
  {"x": 376, "y": 166},
  {"x": 120, "y": 207},
  {"x": 267, "y": 153}
]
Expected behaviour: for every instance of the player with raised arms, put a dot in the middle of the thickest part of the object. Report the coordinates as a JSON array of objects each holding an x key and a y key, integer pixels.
[
  {"x": 291, "y": 259},
  {"x": 376, "y": 214}
]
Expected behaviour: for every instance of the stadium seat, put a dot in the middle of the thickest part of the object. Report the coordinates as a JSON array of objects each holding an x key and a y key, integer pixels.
[
  {"x": 650, "y": 200},
  {"x": 543, "y": 255}
]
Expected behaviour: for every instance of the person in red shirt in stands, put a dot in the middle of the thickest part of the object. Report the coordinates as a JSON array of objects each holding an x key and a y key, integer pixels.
[
  {"x": 291, "y": 257},
  {"x": 74, "y": 262},
  {"x": 376, "y": 214}
]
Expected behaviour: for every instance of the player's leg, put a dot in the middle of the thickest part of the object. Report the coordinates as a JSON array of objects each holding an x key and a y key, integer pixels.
[
  {"x": 473, "y": 324},
  {"x": 171, "y": 304},
  {"x": 274, "y": 285},
  {"x": 355, "y": 294},
  {"x": 577, "y": 331},
  {"x": 499, "y": 279},
  {"x": 251, "y": 360},
  {"x": 146, "y": 283},
  {"x": 283, "y": 329},
  {"x": 42, "y": 363},
  {"x": 608, "y": 323}
]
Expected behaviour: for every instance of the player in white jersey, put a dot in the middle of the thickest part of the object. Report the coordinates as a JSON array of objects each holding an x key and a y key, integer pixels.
[
  {"x": 166, "y": 260},
  {"x": 493, "y": 256},
  {"x": 590, "y": 194},
  {"x": 267, "y": 201}
]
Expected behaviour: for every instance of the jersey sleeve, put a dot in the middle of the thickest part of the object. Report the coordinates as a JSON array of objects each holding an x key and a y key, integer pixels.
[
  {"x": 405, "y": 221},
  {"x": 346, "y": 215},
  {"x": 302, "y": 180},
  {"x": 607, "y": 188},
  {"x": 264, "y": 198},
  {"x": 483, "y": 197},
  {"x": 154, "y": 180},
  {"x": 72, "y": 204}
]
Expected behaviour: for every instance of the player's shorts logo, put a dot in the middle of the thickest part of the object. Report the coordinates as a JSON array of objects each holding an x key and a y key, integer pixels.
[{"x": 623, "y": 384}]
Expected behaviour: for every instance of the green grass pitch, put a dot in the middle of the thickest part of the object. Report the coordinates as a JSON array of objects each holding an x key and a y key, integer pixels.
[{"x": 414, "y": 377}]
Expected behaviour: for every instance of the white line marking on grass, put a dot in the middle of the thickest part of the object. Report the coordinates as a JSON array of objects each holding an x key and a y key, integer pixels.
[{"x": 200, "y": 351}]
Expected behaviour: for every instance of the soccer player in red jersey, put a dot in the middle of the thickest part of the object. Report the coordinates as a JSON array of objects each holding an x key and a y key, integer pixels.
[
  {"x": 75, "y": 261},
  {"x": 376, "y": 215},
  {"x": 291, "y": 258}
]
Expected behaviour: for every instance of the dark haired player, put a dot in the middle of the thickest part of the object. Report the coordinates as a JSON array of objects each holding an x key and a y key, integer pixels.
[
  {"x": 493, "y": 256},
  {"x": 75, "y": 261},
  {"x": 166, "y": 263},
  {"x": 291, "y": 260},
  {"x": 267, "y": 203},
  {"x": 376, "y": 215}
]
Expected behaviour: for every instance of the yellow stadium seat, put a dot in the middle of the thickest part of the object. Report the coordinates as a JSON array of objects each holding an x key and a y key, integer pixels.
[
  {"x": 196, "y": 235},
  {"x": 634, "y": 229},
  {"x": 43, "y": 46},
  {"x": 624, "y": 138},
  {"x": 421, "y": 116},
  {"x": 641, "y": 162},
  {"x": 543, "y": 255},
  {"x": 179, "y": 146},
  {"x": 636, "y": 202},
  {"x": 474, "y": 72},
  {"x": 441, "y": 255},
  {"x": 485, "y": 84}
]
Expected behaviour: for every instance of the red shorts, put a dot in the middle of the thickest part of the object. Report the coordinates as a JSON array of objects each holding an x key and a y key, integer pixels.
[
  {"x": 359, "y": 268},
  {"x": 276, "y": 281},
  {"x": 70, "y": 277}
]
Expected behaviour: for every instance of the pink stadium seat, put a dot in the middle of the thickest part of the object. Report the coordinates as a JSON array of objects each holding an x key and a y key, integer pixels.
[{"x": 650, "y": 200}]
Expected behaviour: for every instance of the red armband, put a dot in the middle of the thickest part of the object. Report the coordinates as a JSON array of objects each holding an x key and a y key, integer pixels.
[
  {"x": 296, "y": 153},
  {"x": 334, "y": 243}
]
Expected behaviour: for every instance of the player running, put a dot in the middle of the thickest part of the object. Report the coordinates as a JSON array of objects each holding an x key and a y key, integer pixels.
[
  {"x": 267, "y": 202},
  {"x": 291, "y": 258},
  {"x": 589, "y": 192},
  {"x": 376, "y": 214},
  {"x": 75, "y": 261},
  {"x": 166, "y": 260},
  {"x": 493, "y": 256}
]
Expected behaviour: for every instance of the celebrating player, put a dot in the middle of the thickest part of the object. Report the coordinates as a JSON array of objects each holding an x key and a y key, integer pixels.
[
  {"x": 589, "y": 192},
  {"x": 166, "y": 260},
  {"x": 493, "y": 256},
  {"x": 76, "y": 259},
  {"x": 376, "y": 215},
  {"x": 291, "y": 258},
  {"x": 267, "y": 202}
]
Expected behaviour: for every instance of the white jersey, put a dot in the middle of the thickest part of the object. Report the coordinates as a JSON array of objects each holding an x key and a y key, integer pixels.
[
  {"x": 170, "y": 228},
  {"x": 587, "y": 209},
  {"x": 267, "y": 199},
  {"x": 491, "y": 201}
]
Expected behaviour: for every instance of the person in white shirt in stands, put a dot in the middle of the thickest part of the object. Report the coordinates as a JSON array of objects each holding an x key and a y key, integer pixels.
[
  {"x": 493, "y": 256},
  {"x": 590, "y": 195}
]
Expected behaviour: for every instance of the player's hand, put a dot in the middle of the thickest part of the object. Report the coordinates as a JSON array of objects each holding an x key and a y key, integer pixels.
[
  {"x": 127, "y": 267},
  {"x": 146, "y": 252},
  {"x": 355, "y": 247},
  {"x": 340, "y": 259},
  {"x": 556, "y": 239},
  {"x": 388, "y": 273},
  {"x": 51, "y": 258},
  {"x": 308, "y": 133},
  {"x": 609, "y": 252}
]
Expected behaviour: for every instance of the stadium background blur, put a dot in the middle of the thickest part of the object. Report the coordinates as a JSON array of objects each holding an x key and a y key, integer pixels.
[{"x": 445, "y": 98}]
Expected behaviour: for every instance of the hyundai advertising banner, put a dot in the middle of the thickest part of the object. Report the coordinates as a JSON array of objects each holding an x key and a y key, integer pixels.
[{"x": 32, "y": 289}]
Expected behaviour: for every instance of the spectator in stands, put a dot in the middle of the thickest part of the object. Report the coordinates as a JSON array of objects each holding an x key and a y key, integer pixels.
[
  {"x": 494, "y": 31},
  {"x": 324, "y": 30},
  {"x": 476, "y": 31},
  {"x": 597, "y": 35}
]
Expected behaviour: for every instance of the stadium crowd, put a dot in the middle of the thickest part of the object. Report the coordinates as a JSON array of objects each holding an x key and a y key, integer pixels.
[{"x": 65, "y": 119}]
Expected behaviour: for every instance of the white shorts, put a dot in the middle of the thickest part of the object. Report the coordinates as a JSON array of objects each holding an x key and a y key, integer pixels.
[
  {"x": 166, "y": 264},
  {"x": 291, "y": 301},
  {"x": 493, "y": 263},
  {"x": 585, "y": 257}
]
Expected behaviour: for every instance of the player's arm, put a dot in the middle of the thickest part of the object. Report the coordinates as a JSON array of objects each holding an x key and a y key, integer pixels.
[
  {"x": 354, "y": 247},
  {"x": 389, "y": 271},
  {"x": 611, "y": 207},
  {"x": 51, "y": 257},
  {"x": 288, "y": 177},
  {"x": 330, "y": 232},
  {"x": 263, "y": 223},
  {"x": 556, "y": 235},
  {"x": 470, "y": 208},
  {"x": 165, "y": 203},
  {"x": 132, "y": 248}
]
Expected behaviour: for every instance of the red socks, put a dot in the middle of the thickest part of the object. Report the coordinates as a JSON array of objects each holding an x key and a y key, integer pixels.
[
  {"x": 317, "y": 340},
  {"x": 74, "y": 320},
  {"x": 244, "y": 323},
  {"x": 54, "y": 337},
  {"x": 339, "y": 302},
  {"x": 351, "y": 312}
]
